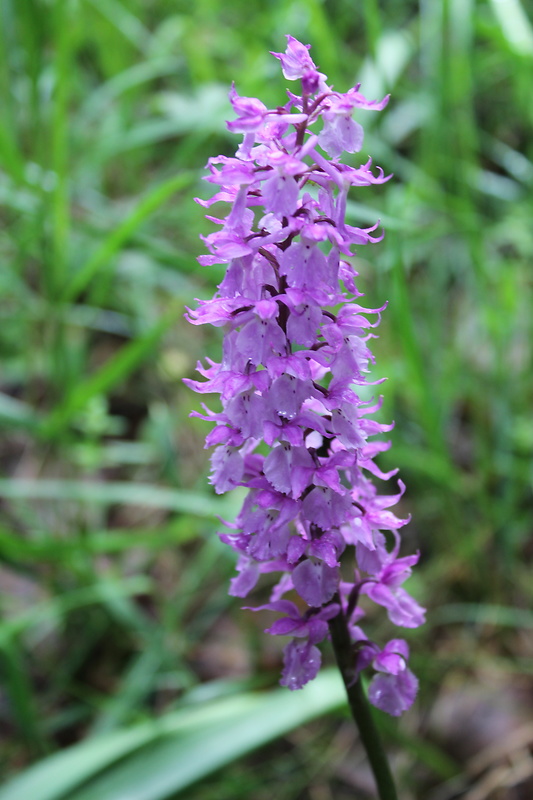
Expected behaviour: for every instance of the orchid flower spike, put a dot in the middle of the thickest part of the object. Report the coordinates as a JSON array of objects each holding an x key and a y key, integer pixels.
[{"x": 293, "y": 428}]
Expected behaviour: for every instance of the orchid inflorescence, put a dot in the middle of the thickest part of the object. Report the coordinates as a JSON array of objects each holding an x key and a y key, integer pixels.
[{"x": 293, "y": 430}]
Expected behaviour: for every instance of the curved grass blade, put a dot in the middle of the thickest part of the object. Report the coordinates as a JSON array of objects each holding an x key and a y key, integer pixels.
[{"x": 112, "y": 243}]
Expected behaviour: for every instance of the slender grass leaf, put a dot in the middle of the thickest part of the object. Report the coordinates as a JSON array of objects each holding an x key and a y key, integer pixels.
[
  {"x": 17, "y": 199},
  {"x": 115, "y": 370},
  {"x": 515, "y": 163},
  {"x": 369, "y": 215},
  {"x": 393, "y": 52},
  {"x": 515, "y": 25},
  {"x": 372, "y": 19},
  {"x": 18, "y": 688},
  {"x": 126, "y": 23},
  {"x": 127, "y": 79},
  {"x": 154, "y": 131},
  {"x": 16, "y": 412},
  {"x": 135, "y": 685},
  {"x": 483, "y": 614},
  {"x": 172, "y": 765},
  {"x": 114, "y": 492},
  {"x": 114, "y": 241},
  {"x": 10, "y": 158},
  {"x": 50, "y": 613},
  {"x": 60, "y": 206},
  {"x": 48, "y": 546},
  {"x": 50, "y": 779}
]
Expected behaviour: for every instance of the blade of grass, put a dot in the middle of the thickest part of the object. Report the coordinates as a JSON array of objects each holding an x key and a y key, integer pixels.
[
  {"x": 515, "y": 25},
  {"x": 16, "y": 412},
  {"x": 48, "y": 547},
  {"x": 115, "y": 370},
  {"x": 372, "y": 19},
  {"x": 175, "y": 763},
  {"x": 21, "y": 698},
  {"x": 51, "y": 612},
  {"x": 114, "y": 241},
  {"x": 427, "y": 407},
  {"x": 125, "y": 22},
  {"x": 324, "y": 39},
  {"x": 137, "y": 683},
  {"x": 63, "y": 21},
  {"x": 10, "y": 158},
  {"x": 483, "y": 614},
  {"x": 116, "y": 492},
  {"x": 130, "y": 78},
  {"x": 51, "y": 779}
]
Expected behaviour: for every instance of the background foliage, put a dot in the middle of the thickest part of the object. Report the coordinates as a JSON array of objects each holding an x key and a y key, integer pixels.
[{"x": 113, "y": 582}]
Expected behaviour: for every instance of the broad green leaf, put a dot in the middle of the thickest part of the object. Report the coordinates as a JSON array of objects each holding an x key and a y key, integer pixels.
[{"x": 160, "y": 758}]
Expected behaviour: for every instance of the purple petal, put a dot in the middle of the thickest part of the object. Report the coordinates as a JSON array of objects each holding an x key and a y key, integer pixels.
[
  {"x": 393, "y": 693},
  {"x": 277, "y": 468},
  {"x": 246, "y": 580},
  {"x": 284, "y": 626},
  {"x": 301, "y": 663},
  {"x": 280, "y": 193},
  {"x": 316, "y": 583}
]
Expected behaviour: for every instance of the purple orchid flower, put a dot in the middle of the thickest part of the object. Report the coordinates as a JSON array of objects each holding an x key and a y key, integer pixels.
[{"x": 293, "y": 429}]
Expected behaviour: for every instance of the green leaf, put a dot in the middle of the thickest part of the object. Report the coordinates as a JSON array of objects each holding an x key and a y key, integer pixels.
[
  {"x": 115, "y": 370},
  {"x": 515, "y": 25},
  {"x": 155, "y": 760},
  {"x": 127, "y": 24},
  {"x": 483, "y": 614},
  {"x": 130, "y": 78},
  {"x": 108, "y": 592},
  {"x": 114, "y": 241},
  {"x": 16, "y": 412},
  {"x": 146, "y": 494}
]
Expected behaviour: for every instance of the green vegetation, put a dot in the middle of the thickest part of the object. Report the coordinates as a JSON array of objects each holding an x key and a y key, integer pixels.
[{"x": 117, "y": 635}]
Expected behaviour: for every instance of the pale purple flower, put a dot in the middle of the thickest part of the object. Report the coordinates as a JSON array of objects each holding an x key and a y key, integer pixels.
[
  {"x": 340, "y": 132},
  {"x": 393, "y": 693},
  {"x": 250, "y": 113},
  {"x": 292, "y": 428},
  {"x": 297, "y": 63},
  {"x": 301, "y": 663}
]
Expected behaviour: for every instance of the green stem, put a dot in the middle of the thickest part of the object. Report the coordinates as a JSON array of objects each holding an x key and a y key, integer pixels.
[{"x": 360, "y": 708}]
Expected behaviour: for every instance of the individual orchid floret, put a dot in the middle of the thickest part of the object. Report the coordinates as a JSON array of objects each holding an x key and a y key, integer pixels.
[
  {"x": 387, "y": 591},
  {"x": 394, "y": 686},
  {"x": 294, "y": 429},
  {"x": 250, "y": 113},
  {"x": 296, "y": 63},
  {"x": 340, "y": 132},
  {"x": 302, "y": 658}
]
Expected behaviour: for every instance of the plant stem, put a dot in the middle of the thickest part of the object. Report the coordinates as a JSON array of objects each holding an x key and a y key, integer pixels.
[{"x": 360, "y": 708}]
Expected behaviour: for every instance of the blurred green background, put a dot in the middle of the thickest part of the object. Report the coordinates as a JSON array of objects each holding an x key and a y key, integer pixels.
[{"x": 117, "y": 635}]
